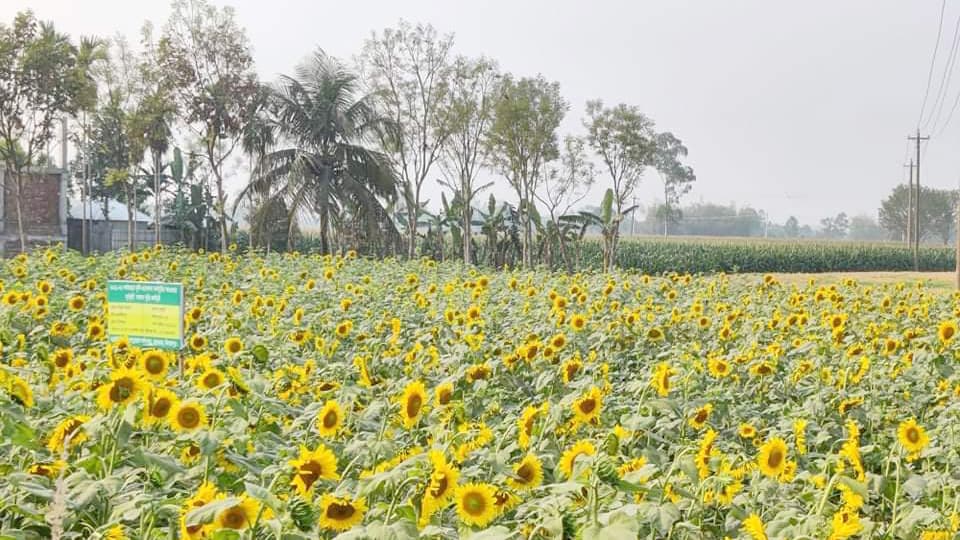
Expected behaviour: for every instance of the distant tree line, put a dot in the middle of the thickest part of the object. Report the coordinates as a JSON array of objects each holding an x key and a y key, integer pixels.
[{"x": 353, "y": 146}]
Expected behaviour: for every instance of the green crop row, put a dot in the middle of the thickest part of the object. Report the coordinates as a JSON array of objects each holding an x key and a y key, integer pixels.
[{"x": 657, "y": 256}]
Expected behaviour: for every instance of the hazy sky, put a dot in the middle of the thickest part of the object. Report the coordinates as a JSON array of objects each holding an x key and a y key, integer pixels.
[{"x": 798, "y": 108}]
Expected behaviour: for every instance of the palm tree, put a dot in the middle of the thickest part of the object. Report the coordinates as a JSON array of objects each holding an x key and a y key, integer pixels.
[{"x": 321, "y": 164}]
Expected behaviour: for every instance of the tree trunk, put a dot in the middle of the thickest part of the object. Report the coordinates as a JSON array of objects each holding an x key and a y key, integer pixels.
[
  {"x": 412, "y": 229},
  {"x": 324, "y": 232},
  {"x": 467, "y": 229},
  {"x": 130, "y": 226},
  {"x": 18, "y": 182},
  {"x": 156, "y": 198}
]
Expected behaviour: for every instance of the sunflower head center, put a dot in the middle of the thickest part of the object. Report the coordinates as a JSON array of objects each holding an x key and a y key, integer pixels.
[
  {"x": 414, "y": 403},
  {"x": 188, "y": 417},
  {"x": 330, "y": 419},
  {"x": 474, "y": 504},
  {"x": 526, "y": 472},
  {"x": 154, "y": 365},
  {"x": 340, "y": 511},
  {"x": 913, "y": 435},
  {"x": 161, "y": 407},
  {"x": 234, "y": 518},
  {"x": 775, "y": 458},
  {"x": 438, "y": 485},
  {"x": 121, "y": 390},
  {"x": 588, "y": 405}
]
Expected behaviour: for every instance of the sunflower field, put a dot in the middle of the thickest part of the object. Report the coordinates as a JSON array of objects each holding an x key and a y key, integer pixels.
[{"x": 337, "y": 397}]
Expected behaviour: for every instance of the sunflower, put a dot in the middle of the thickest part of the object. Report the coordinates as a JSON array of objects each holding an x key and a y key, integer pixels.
[
  {"x": 330, "y": 419},
  {"x": 115, "y": 533},
  {"x": 700, "y": 417},
  {"x": 240, "y": 516},
  {"x": 718, "y": 367},
  {"x": 912, "y": 437},
  {"x": 578, "y": 322},
  {"x": 443, "y": 483},
  {"x": 340, "y": 513},
  {"x": 343, "y": 329},
  {"x": 124, "y": 387},
  {"x": 154, "y": 364},
  {"x": 528, "y": 473},
  {"x": 747, "y": 431},
  {"x": 210, "y": 379},
  {"x": 77, "y": 303},
  {"x": 311, "y": 466},
  {"x": 62, "y": 358},
  {"x": 198, "y": 342},
  {"x": 845, "y": 524},
  {"x": 946, "y": 331},
  {"x": 157, "y": 405},
  {"x": 800, "y": 436},
  {"x": 661, "y": 378},
  {"x": 569, "y": 369},
  {"x": 20, "y": 390},
  {"x": 655, "y": 334},
  {"x": 586, "y": 409},
  {"x": 67, "y": 428},
  {"x": 476, "y": 504},
  {"x": 525, "y": 425},
  {"x": 187, "y": 416},
  {"x": 443, "y": 393},
  {"x": 582, "y": 447},
  {"x": 412, "y": 402},
  {"x": 95, "y": 331},
  {"x": 233, "y": 346},
  {"x": 753, "y": 526},
  {"x": 49, "y": 469},
  {"x": 773, "y": 457}
]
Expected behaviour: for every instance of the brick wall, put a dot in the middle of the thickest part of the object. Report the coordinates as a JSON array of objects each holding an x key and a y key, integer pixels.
[{"x": 41, "y": 205}]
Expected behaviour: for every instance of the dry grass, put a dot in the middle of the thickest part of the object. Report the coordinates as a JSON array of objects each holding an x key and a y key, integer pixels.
[{"x": 937, "y": 280}]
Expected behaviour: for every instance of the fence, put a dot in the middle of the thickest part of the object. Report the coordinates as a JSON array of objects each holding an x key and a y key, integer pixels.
[{"x": 105, "y": 236}]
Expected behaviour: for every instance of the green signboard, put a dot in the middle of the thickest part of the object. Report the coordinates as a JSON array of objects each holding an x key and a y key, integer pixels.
[{"x": 149, "y": 314}]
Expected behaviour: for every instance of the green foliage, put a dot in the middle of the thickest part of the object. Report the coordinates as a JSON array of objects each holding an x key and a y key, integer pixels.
[{"x": 658, "y": 256}]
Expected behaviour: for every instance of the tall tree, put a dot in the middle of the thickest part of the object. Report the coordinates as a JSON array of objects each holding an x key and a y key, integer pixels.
[
  {"x": 40, "y": 81},
  {"x": 791, "y": 228},
  {"x": 677, "y": 177},
  {"x": 523, "y": 138},
  {"x": 409, "y": 67},
  {"x": 565, "y": 184},
  {"x": 207, "y": 58},
  {"x": 936, "y": 213},
  {"x": 469, "y": 113},
  {"x": 623, "y": 137},
  {"x": 323, "y": 162}
]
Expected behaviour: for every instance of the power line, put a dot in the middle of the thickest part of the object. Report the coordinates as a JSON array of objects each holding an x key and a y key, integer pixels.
[
  {"x": 933, "y": 61},
  {"x": 944, "y": 87}
]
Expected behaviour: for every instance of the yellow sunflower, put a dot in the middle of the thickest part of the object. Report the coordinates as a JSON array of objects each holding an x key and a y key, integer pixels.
[
  {"x": 77, "y": 303},
  {"x": 95, "y": 331},
  {"x": 753, "y": 526},
  {"x": 476, "y": 504},
  {"x": 528, "y": 473},
  {"x": 586, "y": 409},
  {"x": 946, "y": 331},
  {"x": 578, "y": 322},
  {"x": 154, "y": 364},
  {"x": 773, "y": 457},
  {"x": 233, "y": 346},
  {"x": 443, "y": 483},
  {"x": 442, "y": 394},
  {"x": 157, "y": 405},
  {"x": 569, "y": 457},
  {"x": 20, "y": 390},
  {"x": 123, "y": 387},
  {"x": 341, "y": 513},
  {"x": 62, "y": 358},
  {"x": 198, "y": 342},
  {"x": 312, "y": 465},
  {"x": 330, "y": 419},
  {"x": 412, "y": 403},
  {"x": 240, "y": 516},
  {"x": 68, "y": 428},
  {"x": 187, "y": 416},
  {"x": 700, "y": 417},
  {"x": 210, "y": 379},
  {"x": 912, "y": 437}
]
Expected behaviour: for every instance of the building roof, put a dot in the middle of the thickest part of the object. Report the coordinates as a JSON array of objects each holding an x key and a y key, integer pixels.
[{"x": 117, "y": 211}]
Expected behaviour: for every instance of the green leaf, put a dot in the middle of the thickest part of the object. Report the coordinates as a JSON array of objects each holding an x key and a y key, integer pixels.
[
  {"x": 260, "y": 353},
  {"x": 207, "y": 512}
]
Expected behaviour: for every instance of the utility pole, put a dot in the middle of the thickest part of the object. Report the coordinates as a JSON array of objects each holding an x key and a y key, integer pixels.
[
  {"x": 957, "y": 271},
  {"x": 916, "y": 211},
  {"x": 909, "y": 238}
]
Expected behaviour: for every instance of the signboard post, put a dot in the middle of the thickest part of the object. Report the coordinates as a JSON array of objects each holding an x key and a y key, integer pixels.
[{"x": 149, "y": 314}]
